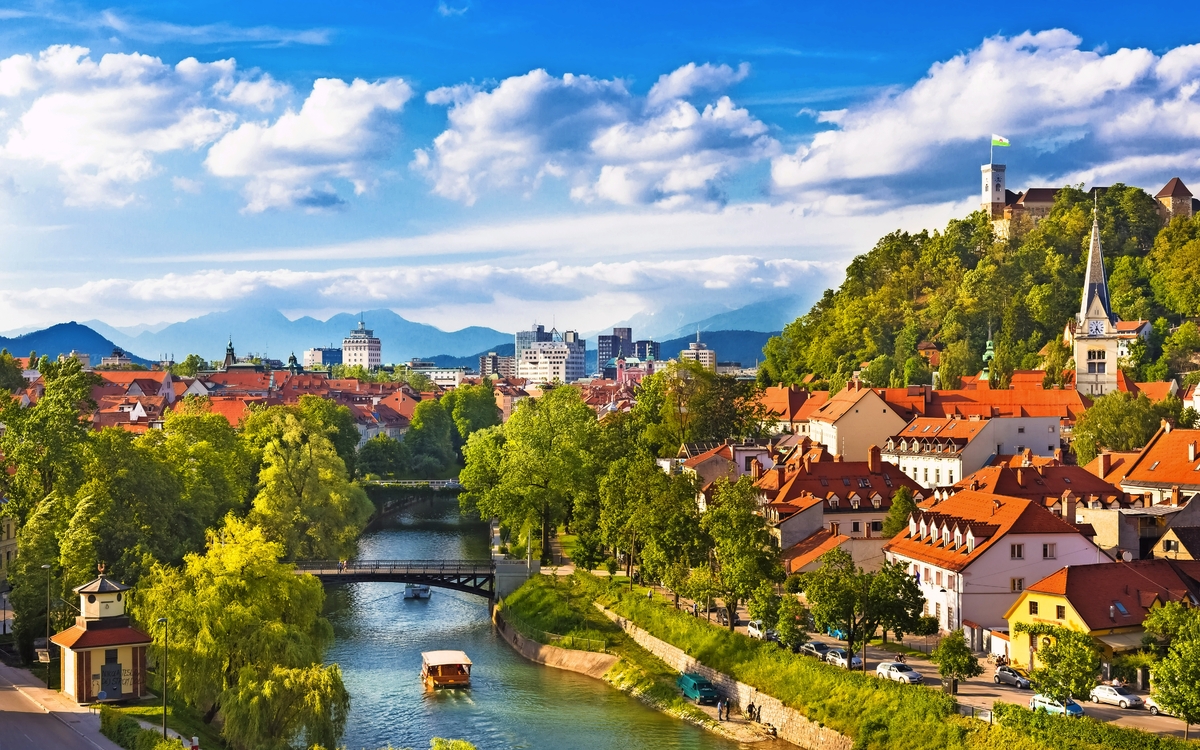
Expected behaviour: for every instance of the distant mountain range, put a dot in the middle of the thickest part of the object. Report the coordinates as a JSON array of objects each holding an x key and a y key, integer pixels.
[
  {"x": 267, "y": 332},
  {"x": 63, "y": 338}
]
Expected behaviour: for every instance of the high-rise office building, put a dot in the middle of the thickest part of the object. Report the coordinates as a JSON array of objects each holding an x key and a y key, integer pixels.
[
  {"x": 526, "y": 338},
  {"x": 699, "y": 352},
  {"x": 646, "y": 350},
  {"x": 361, "y": 348},
  {"x": 609, "y": 347},
  {"x": 493, "y": 364}
]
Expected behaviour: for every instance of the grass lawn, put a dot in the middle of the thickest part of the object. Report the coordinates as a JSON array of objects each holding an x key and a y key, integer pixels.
[{"x": 186, "y": 721}]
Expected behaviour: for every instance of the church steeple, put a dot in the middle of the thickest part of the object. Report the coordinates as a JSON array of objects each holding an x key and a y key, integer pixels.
[{"x": 1095, "y": 283}]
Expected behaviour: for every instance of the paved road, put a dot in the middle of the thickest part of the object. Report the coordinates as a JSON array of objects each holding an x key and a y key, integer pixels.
[{"x": 25, "y": 726}]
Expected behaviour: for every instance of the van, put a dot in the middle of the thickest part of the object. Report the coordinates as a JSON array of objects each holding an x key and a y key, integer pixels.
[{"x": 697, "y": 688}]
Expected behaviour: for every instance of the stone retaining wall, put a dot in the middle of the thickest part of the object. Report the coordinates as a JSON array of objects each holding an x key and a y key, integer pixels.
[
  {"x": 589, "y": 663},
  {"x": 789, "y": 723}
]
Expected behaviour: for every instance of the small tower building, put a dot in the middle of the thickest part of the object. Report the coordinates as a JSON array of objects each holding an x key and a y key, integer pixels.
[
  {"x": 1096, "y": 337},
  {"x": 103, "y": 656},
  {"x": 993, "y": 190},
  {"x": 1174, "y": 200}
]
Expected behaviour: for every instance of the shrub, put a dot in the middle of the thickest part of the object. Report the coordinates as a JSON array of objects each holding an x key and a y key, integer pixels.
[
  {"x": 1079, "y": 734},
  {"x": 128, "y": 733}
]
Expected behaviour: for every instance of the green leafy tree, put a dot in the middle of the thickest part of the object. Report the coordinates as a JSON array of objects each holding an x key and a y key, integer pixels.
[
  {"x": 1067, "y": 661},
  {"x": 306, "y": 501},
  {"x": 383, "y": 456},
  {"x": 336, "y": 422},
  {"x": 472, "y": 407},
  {"x": 954, "y": 659},
  {"x": 764, "y": 604},
  {"x": 12, "y": 378},
  {"x": 844, "y": 597},
  {"x": 429, "y": 441},
  {"x": 529, "y": 471},
  {"x": 41, "y": 445},
  {"x": 742, "y": 556},
  {"x": 903, "y": 506},
  {"x": 1176, "y": 678},
  {"x": 191, "y": 364},
  {"x": 240, "y": 622},
  {"x": 1169, "y": 621},
  {"x": 791, "y": 626},
  {"x": 1121, "y": 421}
]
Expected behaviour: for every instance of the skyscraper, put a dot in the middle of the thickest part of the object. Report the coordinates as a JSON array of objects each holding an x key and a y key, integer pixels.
[{"x": 525, "y": 338}]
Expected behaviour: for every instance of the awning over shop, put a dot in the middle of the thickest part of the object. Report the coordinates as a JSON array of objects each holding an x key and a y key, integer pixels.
[{"x": 1122, "y": 641}]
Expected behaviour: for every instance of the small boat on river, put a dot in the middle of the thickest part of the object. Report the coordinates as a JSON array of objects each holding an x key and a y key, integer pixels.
[
  {"x": 445, "y": 669},
  {"x": 416, "y": 591}
]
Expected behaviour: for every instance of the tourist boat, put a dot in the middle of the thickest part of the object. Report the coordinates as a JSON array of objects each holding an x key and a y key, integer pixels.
[
  {"x": 445, "y": 669},
  {"x": 416, "y": 591}
]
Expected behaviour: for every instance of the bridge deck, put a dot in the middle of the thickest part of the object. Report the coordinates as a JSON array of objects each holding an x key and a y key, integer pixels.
[{"x": 471, "y": 576}]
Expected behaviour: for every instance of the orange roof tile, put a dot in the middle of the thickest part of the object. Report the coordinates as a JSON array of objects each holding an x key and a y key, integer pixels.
[
  {"x": 808, "y": 550},
  {"x": 988, "y": 517},
  {"x": 1120, "y": 594},
  {"x": 1037, "y": 482},
  {"x": 1172, "y": 457}
]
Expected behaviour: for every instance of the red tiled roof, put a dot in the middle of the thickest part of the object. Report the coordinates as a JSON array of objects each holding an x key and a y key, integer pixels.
[
  {"x": 1166, "y": 461},
  {"x": 840, "y": 403},
  {"x": 1037, "y": 482},
  {"x": 1094, "y": 591},
  {"x": 989, "y": 517},
  {"x": 806, "y": 483},
  {"x": 1155, "y": 391},
  {"x": 810, "y": 549},
  {"x": 962, "y": 431},
  {"x": 1174, "y": 189},
  {"x": 786, "y": 402},
  {"x": 77, "y": 637},
  {"x": 1119, "y": 463}
]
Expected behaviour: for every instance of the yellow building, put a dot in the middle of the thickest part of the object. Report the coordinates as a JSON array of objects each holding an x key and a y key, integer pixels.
[
  {"x": 1179, "y": 543},
  {"x": 103, "y": 656},
  {"x": 1108, "y": 601},
  {"x": 8, "y": 544}
]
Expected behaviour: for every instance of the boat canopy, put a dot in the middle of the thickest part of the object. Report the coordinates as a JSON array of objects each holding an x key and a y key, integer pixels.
[{"x": 440, "y": 658}]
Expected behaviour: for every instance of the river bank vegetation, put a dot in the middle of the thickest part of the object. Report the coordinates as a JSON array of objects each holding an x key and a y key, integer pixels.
[{"x": 874, "y": 713}]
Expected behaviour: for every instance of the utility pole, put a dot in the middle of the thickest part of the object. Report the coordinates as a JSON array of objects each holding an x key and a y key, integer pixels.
[
  {"x": 47, "y": 569},
  {"x": 166, "y": 635}
]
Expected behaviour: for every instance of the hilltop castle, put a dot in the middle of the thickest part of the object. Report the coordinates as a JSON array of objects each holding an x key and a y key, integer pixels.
[{"x": 1034, "y": 204}]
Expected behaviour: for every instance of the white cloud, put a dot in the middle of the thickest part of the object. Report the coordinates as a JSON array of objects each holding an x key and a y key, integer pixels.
[
  {"x": 216, "y": 33},
  {"x": 604, "y": 141},
  {"x": 1083, "y": 112},
  {"x": 339, "y": 129},
  {"x": 449, "y": 11},
  {"x": 101, "y": 125},
  {"x": 185, "y": 185}
]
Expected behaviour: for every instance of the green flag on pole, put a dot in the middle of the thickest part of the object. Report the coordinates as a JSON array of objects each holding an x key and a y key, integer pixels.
[{"x": 999, "y": 140}]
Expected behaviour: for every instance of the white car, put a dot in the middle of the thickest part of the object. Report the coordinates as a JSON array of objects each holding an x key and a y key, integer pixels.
[
  {"x": 1153, "y": 707},
  {"x": 1115, "y": 696},
  {"x": 894, "y": 670},
  {"x": 839, "y": 658},
  {"x": 756, "y": 630}
]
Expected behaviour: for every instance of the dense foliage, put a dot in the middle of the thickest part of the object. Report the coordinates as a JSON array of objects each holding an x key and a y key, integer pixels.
[{"x": 962, "y": 286}]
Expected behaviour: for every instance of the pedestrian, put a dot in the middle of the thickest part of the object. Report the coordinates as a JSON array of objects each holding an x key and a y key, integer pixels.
[
  {"x": 720, "y": 706},
  {"x": 750, "y": 711},
  {"x": 649, "y": 593}
]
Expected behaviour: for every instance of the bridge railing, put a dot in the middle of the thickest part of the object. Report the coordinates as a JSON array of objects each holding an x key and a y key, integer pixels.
[
  {"x": 458, "y": 567},
  {"x": 433, "y": 484}
]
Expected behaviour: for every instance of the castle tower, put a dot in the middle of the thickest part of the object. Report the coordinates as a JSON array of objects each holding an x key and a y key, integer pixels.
[
  {"x": 1096, "y": 339},
  {"x": 993, "y": 190}
]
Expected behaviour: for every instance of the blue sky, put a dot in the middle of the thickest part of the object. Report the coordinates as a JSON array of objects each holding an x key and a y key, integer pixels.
[{"x": 487, "y": 163}]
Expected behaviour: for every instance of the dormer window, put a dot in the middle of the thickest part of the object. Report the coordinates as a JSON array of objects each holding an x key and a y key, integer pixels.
[
  {"x": 875, "y": 501},
  {"x": 833, "y": 502}
]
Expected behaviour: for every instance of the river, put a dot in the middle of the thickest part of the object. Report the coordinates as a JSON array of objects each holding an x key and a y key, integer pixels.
[{"x": 513, "y": 703}]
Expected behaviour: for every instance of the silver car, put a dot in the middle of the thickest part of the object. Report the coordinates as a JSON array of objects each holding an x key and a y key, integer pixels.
[
  {"x": 894, "y": 670},
  {"x": 1116, "y": 696},
  {"x": 839, "y": 658}
]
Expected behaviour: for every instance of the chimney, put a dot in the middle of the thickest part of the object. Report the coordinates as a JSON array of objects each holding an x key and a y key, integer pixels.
[
  {"x": 837, "y": 458},
  {"x": 807, "y": 464},
  {"x": 1106, "y": 464},
  {"x": 995, "y": 506},
  {"x": 1020, "y": 476},
  {"x": 1058, "y": 456},
  {"x": 874, "y": 460},
  {"x": 1192, "y": 451},
  {"x": 1175, "y": 496},
  {"x": 974, "y": 484},
  {"x": 1069, "y": 504},
  {"x": 756, "y": 469},
  {"x": 833, "y": 528},
  {"x": 1166, "y": 426}
]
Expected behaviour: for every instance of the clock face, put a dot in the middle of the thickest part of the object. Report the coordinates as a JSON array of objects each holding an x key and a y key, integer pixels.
[{"x": 1096, "y": 328}]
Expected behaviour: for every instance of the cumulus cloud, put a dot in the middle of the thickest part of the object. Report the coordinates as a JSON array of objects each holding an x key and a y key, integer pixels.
[
  {"x": 101, "y": 125},
  {"x": 338, "y": 130},
  {"x": 1083, "y": 112},
  {"x": 605, "y": 142}
]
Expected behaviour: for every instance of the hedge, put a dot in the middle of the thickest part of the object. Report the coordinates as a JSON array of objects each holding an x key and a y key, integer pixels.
[
  {"x": 129, "y": 734},
  {"x": 1081, "y": 734}
]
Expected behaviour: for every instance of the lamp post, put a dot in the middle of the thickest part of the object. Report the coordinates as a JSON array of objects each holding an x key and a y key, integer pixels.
[
  {"x": 47, "y": 569},
  {"x": 166, "y": 632}
]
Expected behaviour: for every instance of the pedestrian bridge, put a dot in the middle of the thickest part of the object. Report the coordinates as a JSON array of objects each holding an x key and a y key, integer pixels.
[{"x": 471, "y": 576}]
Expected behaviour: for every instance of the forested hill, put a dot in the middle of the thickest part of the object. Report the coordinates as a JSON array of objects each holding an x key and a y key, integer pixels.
[{"x": 949, "y": 287}]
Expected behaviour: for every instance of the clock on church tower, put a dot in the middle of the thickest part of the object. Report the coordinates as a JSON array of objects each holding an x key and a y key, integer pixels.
[{"x": 1096, "y": 328}]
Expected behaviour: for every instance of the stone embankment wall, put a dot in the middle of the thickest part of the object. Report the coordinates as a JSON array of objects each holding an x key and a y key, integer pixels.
[
  {"x": 585, "y": 662},
  {"x": 788, "y": 722}
]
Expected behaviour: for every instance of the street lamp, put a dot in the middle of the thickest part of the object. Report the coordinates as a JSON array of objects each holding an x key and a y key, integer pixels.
[
  {"x": 163, "y": 621},
  {"x": 47, "y": 569}
]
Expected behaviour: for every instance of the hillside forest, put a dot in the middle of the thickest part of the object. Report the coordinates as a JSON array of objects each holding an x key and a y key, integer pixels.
[{"x": 960, "y": 287}]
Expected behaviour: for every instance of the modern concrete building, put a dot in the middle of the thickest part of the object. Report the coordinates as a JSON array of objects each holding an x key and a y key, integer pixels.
[
  {"x": 611, "y": 347},
  {"x": 494, "y": 365},
  {"x": 546, "y": 362},
  {"x": 699, "y": 352},
  {"x": 322, "y": 357},
  {"x": 525, "y": 339},
  {"x": 361, "y": 348}
]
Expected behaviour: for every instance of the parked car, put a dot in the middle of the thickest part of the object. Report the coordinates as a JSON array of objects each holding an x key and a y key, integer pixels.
[
  {"x": 723, "y": 616},
  {"x": 836, "y": 633},
  {"x": 894, "y": 670},
  {"x": 756, "y": 630},
  {"x": 697, "y": 688},
  {"x": 1153, "y": 707},
  {"x": 1012, "y": 676},
  {"x": 1115, "y": 696},
  {"x": 816, "y": 648},
  {"x": 839, "y": 658},
  {"x": 1040, "y": 702}
]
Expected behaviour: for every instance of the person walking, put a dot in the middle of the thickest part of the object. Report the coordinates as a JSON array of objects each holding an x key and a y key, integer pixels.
[
  {"x": 720, "y": 706},
  {"x": 750, "y": 711}
]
